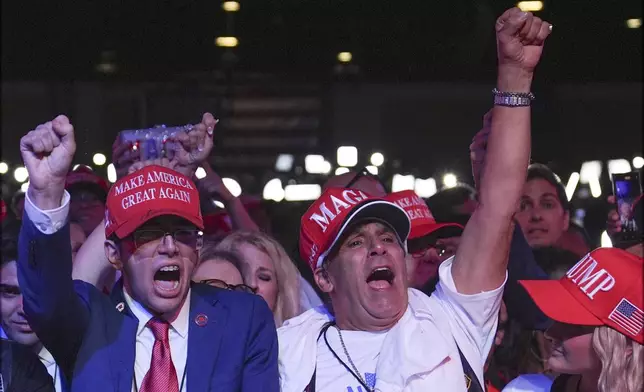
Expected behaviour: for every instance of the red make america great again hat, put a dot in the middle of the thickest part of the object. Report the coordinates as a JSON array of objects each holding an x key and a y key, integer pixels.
[
  {"x": 147, "y": 193},
  {"x": 334, "y": 211}
]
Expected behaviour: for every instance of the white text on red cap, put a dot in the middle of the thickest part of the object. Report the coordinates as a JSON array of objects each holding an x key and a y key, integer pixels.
[
  {"x": 152, "y": 193},
  {"x": 416, "y": 213},
  {"x": 582, "y": 275},
  {"x": 326, "y": 216}
]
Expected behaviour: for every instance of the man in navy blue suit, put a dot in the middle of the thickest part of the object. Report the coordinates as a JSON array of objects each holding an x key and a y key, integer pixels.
[{"x": 158, "y": 331}]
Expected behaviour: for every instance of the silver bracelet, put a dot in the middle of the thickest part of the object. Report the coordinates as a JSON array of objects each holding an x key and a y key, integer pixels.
[{"x": 502, "y": 98}]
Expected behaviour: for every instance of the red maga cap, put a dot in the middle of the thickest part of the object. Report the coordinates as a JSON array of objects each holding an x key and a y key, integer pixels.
[
  {"x": 603, "y": 288},
  {"x": 422, "y": 220},
  {"x": 3, "y": 210},
  {"x": 329, "y": 216},
  {"x": 85, "y": 175},
  {"x": 147, "y": 193}
]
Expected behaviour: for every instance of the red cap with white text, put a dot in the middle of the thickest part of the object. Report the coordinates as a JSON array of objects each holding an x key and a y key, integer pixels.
[
  {"x": 422, "y": 220},
  {"x": 603, "y": 288},
  {"x": 332, "y": 213},
  {"x": 147, "y": 193}
]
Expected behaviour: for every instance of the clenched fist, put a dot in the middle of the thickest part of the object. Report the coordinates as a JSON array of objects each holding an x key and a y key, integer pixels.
[
  {"x": 520, "y": 37},
  {"x": 194, "y": 145},
  {"x": 47, "y": 152}
]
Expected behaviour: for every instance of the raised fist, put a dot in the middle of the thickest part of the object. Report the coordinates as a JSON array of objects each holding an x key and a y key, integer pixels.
[
  {"x": 47, "y": 152},
  {"x": 194, "y": 146},
  {"x": 520, "y": 37}
]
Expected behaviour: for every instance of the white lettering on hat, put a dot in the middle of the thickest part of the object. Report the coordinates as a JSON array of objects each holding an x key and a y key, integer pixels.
[
  {"x": 407, "y": 203},
  {"x": 326, "y": 216},
  {"x": 582, "y": 275},
  {"x": 175, "y": 194},
  {"x": 128, "y": 185},
  {"x": 168, "y": 178},
  {"x": 418, "y": 213},
  {"x": 138, "y": 197}
]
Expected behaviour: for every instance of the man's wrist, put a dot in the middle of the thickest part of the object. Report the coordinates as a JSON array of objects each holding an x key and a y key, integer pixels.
[
  {"x": 514, "y": 79},
  {"x": 47, "y": 199}
]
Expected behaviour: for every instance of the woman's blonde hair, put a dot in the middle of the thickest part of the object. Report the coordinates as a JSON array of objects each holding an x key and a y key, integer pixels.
[
  {"x": 621, "y": 372},
  {"x": 287, "y": 275}
]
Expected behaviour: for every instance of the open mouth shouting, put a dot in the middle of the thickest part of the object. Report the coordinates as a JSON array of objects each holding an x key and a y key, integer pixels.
[
  {"x": 167, "y": 281},
  {"x": 381, "y": 278}
]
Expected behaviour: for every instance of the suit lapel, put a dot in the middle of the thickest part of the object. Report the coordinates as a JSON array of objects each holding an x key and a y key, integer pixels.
[
  {"x": 123, "y": 340},
  {"x": 207, "y": 323}
]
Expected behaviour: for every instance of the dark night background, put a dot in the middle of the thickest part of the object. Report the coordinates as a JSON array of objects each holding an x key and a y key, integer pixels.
[{"x": 417, "y": 87}]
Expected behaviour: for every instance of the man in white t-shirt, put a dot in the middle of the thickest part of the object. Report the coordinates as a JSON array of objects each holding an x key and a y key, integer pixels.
[{"x": 376, "y": 334}]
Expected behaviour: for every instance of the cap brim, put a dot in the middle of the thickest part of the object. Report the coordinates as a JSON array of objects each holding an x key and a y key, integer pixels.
[
  {"x": 381, "y": 210},
  {"x": 130, "y": 226},
  {"x": 437, "y": 230},
  {"x": 558, "y": 304}
]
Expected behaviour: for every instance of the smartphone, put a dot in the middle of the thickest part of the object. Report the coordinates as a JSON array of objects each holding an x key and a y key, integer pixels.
[
  {"x": 153, "y": 143},
  {"x": 627, "y": 188}
]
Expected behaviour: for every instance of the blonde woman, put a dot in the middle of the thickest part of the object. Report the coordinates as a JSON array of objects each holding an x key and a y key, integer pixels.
[
  {"x": 268, "y": 270},
  {"x": 598, "y": 336}
]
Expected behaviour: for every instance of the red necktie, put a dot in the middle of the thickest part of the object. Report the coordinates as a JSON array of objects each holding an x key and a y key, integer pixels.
[{"x": 162, "y": 375}]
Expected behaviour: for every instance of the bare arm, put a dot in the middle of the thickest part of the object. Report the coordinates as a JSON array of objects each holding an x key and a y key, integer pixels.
[
  {"x": 481, "y": 260},
  {"x": 91, "y": 265},
  {"x": 213, "y": 185}
]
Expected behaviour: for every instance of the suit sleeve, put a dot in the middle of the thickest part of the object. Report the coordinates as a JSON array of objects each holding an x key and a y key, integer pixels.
[
  {"x": 523, "y": 266},
  {"x": 260, "y": 373},
  {"x": 54, "y": 310},
  {"x": 31, "y": 375}
]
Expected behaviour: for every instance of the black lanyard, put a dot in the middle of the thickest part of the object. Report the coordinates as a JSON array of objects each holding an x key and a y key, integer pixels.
[{"x": 471, "y": 381}]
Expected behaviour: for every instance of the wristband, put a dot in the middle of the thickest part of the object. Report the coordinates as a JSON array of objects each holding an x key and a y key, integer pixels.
[{"x": 502, "y": 98}]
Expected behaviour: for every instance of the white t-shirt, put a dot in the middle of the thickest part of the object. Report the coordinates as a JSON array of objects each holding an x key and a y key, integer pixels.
[
  {"x": 530, "y": 383},
  {"x": 364, "y": 349}
]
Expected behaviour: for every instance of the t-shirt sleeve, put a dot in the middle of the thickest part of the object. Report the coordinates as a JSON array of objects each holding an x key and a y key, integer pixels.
[{"x": 473, "y": 318}]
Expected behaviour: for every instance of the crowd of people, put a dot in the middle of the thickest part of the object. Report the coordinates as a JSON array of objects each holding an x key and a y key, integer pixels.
[{"x": 134, "y": 287}]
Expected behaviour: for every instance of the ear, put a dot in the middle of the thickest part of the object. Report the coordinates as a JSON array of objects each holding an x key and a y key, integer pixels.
[
  {"x": 323, "y": 280},
  {"x": 566, "y": 220},
  {"x": 113, "y": 254}
]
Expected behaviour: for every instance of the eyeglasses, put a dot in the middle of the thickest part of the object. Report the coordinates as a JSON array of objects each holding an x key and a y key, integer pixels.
[
  {"x": 189, "y": 237},
  {"x": 366, "y": 173},
  {"x": 232, "y": 287},
  {"x": 441, "y": 251}
]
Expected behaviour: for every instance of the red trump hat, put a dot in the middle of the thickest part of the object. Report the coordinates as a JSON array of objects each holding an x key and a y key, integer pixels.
[
  {"x": 84, "y": 176},
  {"x": 422, "y": 220},
  {"x": 147, "y": 193},
  {"x": 603, "y": 288},
  {"x": 331, "y": 214}
]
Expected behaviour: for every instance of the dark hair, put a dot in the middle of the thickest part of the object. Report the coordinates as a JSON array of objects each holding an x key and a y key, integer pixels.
[
  {"x": 554, "y": 261},
  {"x": 540, "y": 171},
  {"x": 444, "y": 204}
]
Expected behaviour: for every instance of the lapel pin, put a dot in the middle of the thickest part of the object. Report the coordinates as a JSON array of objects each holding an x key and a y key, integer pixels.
[
  {"x": 201, "y": 320},
  {"x": 120, "y": 306}
]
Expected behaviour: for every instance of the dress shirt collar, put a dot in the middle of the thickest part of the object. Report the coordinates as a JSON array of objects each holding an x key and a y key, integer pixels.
[{"x": 179, "y": 325}]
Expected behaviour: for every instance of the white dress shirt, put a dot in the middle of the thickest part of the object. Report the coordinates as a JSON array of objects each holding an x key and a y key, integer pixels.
[
  {"x": 178, "y": 335},
  {"x": 49, "y": 222},
  {"x": 48, "y": 360}
]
